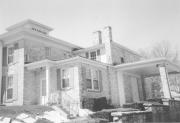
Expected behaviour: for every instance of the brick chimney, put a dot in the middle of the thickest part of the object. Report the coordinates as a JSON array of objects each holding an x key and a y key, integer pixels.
[
  {"x": 97, "y": 37},
  {"x": 107, "y": 39},
  {"x": 107, "y": 34}
]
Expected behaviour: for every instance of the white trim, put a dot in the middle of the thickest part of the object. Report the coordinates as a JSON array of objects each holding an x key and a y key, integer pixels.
[
  {"x": 145, "y": 63},
  {"x": 76, "y": 59}
]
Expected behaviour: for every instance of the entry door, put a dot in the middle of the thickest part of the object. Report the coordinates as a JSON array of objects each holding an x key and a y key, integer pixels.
[
  {"x": 135, "y": 91},
  {"x": 43, "y": 92}
]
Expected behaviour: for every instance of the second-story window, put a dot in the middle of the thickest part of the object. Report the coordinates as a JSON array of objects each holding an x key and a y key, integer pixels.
[
  {"x": 47, "y": 51},
  {"x": 122, "y": 60},
  {"x": 93, "y": 55},
  {"x": 10, "y": 54}
]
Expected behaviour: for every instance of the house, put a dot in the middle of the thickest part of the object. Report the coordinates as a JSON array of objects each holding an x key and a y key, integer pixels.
[{"x": 39, "y": 69}]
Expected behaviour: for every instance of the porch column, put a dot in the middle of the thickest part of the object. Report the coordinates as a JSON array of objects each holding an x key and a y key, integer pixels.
[
  {"x": 165, "y": 80},
  {"x": 121, "y": 91},
  {"x": 1, "y": 53},
  {"x": 47, "y": 82}
]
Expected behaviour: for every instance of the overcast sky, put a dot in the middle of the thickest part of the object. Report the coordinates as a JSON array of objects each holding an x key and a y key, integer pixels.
[{"x": 135, "y": 23}]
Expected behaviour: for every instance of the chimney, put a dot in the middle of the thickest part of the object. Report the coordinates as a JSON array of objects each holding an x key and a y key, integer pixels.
[
  {"x": 97, "y": 37},
  {"x": 107, "y": 34}
]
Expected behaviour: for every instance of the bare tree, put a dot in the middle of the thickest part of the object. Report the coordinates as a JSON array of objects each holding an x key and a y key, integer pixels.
[{"x": 161, "y": 49}]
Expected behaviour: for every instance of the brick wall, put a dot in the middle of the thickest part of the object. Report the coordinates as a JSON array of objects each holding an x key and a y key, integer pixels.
[
  {"x": 84, "y": 93},
  {"x": 153, "y": 87},
  {"x": 118, "y": 52},
  {"x": 36, "y": 51},
  {"x": 31, "y": 87}
]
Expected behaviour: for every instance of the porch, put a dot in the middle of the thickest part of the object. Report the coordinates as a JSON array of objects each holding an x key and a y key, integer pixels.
[
  {"x": 56, "y": 83},
  {"x": 146, "y": 70}
]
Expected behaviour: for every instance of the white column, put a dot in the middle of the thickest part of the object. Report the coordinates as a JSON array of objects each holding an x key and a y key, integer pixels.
[
  {"x": 165, "y": 81},
  {"x": 1, "y": 53},
  {"x": 120, "y": 83},
  {"x": 47, "y": 82}
]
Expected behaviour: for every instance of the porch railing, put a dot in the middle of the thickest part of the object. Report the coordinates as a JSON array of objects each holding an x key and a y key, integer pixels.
[{"x": 70, "y": 105}]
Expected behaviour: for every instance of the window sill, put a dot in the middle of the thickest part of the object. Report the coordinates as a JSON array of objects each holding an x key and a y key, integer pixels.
[
  {"x": 9, "y": 100},
  {"x": 11, "y": 64},
  {"x": 66, "y": 89},
  {"x": 93, "y": 90}
]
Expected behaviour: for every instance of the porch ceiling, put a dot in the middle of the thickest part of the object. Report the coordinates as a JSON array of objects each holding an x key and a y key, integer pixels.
[{"x": 148, "y": 67}]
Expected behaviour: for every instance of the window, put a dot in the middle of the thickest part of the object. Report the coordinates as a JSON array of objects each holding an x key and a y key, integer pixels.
[
  {"x": 65, "y": 78},
  {"x": 92, "y": 79},
  {"x": 47, "y": 51},
  {"x": 93, "y": 55},
  {"x": 10, "y": 87},
  {"x": 122, "y": 60},
  {"x": 88, "y": 79},
  {"x": 96, "y": 80},
  {"x": 10, "y": 55}
]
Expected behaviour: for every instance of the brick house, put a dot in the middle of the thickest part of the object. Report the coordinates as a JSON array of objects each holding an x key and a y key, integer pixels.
[{"x": 39, "y": 69}]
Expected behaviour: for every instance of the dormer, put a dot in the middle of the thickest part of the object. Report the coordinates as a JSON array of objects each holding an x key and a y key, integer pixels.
[{"x": 31, "y": 25}]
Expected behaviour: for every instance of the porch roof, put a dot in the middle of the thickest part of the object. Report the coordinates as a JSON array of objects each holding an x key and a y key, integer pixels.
[
  {"x": 77, "y": 59},
  {"x": 148, "y": 67}
]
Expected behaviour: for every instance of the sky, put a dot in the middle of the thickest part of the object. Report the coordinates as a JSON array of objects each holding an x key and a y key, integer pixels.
[{"x": 136, "y": 24}]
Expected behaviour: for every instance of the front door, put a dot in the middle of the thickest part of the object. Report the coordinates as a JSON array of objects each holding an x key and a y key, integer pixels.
[
  {"x": 135, "y": 90},
  {"x": 43, "y": 92}
]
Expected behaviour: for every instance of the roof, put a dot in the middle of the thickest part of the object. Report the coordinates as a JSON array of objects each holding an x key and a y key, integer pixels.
[
  {"x": 29, "y": 21},
  {"x": 148, "y": 67},
  {"x": 73, "y": 60},
  {"x": 90, "y": 48},
  {"x": 24, "y": 31},
  {"x": 125, "y": 48}
]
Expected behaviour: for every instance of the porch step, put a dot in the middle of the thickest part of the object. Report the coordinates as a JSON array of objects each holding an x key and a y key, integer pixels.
[
  {"x": 61, "y": 111},
  {"x": 65, "y": 110}
]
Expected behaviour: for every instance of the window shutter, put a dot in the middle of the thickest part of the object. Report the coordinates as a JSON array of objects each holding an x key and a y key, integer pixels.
[
  {"x": 100, "y": 81},
  {"x": 4, "y": 56},
  {"x": 84, "y": 83},
  {"x": 16, "y": 46},
  {"x": 3, "y": 89},
  {"x": 71, "y": 82},
  {"x": 15, "y": 86},
  {"x": 58, "y": 79},
  {"x": 98, "y": 53},
  {"x": 87, "y": 55}
]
